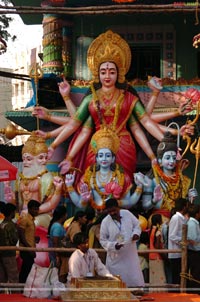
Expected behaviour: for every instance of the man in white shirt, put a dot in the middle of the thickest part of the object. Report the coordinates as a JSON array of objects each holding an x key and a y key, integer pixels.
[
  {"x": 119, "y": 232},
  {"x": 85, "y": 262},
  {"x": 193, "y": 237},
  {"x": 175, "y": 238}
]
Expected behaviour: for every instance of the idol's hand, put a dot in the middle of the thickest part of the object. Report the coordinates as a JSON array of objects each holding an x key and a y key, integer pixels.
[
  {"x": 40, "y": 112},
  {"x": 65, "y": 166},
  {"x": 157, "y": 194},
  {"x": 41, "y": 133},
  {"x": 140, "y": 179},
  {"x": 58, "y": 182},
  {"x": 64, "y": 87},
  {"x": 84, "y": 191},
  {"x": 155, "y": 84},
  {"x": 187, "y": 130},
  {"x": 69, "y": 179},
  {"x": 192, "y": 193}
]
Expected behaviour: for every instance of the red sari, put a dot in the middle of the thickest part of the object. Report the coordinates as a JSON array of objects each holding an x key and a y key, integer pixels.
[{"x": 126, "y": 155}]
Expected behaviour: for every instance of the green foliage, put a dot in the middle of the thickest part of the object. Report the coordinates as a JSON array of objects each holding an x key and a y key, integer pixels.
[{"x": 4, "y": 24}]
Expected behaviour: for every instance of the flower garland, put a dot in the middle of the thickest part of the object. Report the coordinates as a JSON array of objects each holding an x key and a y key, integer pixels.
[
  {"x": 117, "y": 108},
  {"x": 27, "y": 179},
  {"x": 91, "y": 175},
  {"x": 158, "y": 172},
  {"x": 173, "y": 185}
]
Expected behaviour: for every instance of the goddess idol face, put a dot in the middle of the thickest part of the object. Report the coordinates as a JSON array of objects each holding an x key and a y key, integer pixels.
[{"x": 108, "y": 74}]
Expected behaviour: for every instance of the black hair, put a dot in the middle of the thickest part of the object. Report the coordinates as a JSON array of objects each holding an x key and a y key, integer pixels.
[
  {"x": 33, "y": 204},
  {"x": 156, "y": 219},
  {"x": 180, "y": 204},
  {"x": 193, "y": 209},
  {"x": 79, "y": 214},
  {"x": 79, "y": 238},
  {"x": 111, "y": 202},
  {"x": 59, "y": 212},
  {"x": 2, "y": 205},
  {"x": 8, "y": 209}
]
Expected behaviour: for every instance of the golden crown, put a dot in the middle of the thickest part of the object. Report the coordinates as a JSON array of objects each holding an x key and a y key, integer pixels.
[
  {"x": 35, "y": 145},
  {"x": 105, "y": 138},
  {"x": 109, "y": 47}
]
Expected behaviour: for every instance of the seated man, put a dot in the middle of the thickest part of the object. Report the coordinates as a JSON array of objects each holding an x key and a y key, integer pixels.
[{"x": 85, "y": 262}]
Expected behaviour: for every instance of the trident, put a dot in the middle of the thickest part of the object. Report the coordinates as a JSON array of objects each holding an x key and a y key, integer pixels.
[{"x": 36, "y": 73}]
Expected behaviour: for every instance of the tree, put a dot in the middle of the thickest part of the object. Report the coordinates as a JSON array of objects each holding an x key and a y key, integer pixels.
[{"x": 4, "y": 25}]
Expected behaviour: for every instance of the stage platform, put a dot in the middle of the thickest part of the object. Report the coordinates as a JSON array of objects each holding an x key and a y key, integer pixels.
[{"x": 156, "y": 297}]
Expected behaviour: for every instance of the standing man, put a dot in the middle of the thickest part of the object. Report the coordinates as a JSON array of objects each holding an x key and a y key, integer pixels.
[
  {"x": 193, "y": 237},
  {"x": 27, "y": 238},
  {"x": 119, "y": 231},
  {"x": 8, "y": 237},
  {"x": 175, "y": 238}
]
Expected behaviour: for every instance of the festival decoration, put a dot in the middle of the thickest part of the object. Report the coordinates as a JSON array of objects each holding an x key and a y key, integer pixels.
[
  {"x": 11, "y": 131},
  {"x": 196, "y": 41},
  {"x": 7, "y": 170}
]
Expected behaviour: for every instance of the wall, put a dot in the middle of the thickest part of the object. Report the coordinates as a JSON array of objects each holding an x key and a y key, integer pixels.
[{"x": 183, "y": 24}]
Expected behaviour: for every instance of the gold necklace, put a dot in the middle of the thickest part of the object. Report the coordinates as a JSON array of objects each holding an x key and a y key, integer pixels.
[
  {"x": 103, "y": 179},
  {"x": 27, "y": 179}
]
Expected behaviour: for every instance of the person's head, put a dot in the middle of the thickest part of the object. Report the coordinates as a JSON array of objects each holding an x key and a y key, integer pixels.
[
  {"x": 60, "y": 213},
  {"x": 181, "y": 205},
  {"x": 167, "y": 152},
  {"x": 194, "y": 211},
  {"x": 2, "y": 205},
  {"x": 112, "y": 208},
  {"x": 80, "y": 240},
  {"x": 9, "y": 210},
  {"x": 33, "y": 207},
  {"x": 109, "y": 48},
  {"x": 156, "y": 220},
  {"x": 80, "y": 217},
  {"x": 90, "y": 213}
]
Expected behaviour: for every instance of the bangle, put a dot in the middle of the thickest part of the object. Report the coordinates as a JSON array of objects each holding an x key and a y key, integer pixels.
[
  {"x": 48, "y": 135},
  {"x": 152, "y": 157},
  {"x": 48, "y": 117},
  {"x": 58, "y": 192},
  {"x": 53, "y": 146},
  {"x": 155, "y": 93},
  {"x": 70, "y": 189},
  {"x": 177, "y": 112},
  {"x": 66, "y": 98},
  {"x": 138, "y": 190}
]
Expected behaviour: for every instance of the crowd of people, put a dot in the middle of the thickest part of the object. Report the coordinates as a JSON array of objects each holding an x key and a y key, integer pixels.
[{"x": 121, "y": 237}]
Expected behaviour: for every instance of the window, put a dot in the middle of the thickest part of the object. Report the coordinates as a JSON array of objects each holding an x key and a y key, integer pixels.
[{"x": 145, "y": 62}]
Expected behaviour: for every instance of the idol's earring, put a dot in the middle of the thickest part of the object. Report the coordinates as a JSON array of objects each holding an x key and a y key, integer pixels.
[{"x": 178, "y": 154}]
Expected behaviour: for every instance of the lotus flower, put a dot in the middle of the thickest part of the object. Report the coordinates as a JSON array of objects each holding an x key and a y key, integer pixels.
[
  {"x": 192, "y": 94},
  {"x": 113, "y": 189}
]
